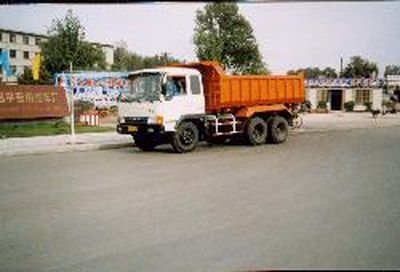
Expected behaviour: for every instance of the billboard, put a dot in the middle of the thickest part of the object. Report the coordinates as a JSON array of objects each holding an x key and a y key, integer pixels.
[{"x": 100, "y": 88}]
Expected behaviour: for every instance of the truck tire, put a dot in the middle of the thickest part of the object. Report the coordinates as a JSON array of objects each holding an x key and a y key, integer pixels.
[
  {"x": 145, "y": 142},
  {"x": 256, "y": 131},
  {"x": 279, "y": 130},
  {"x": 185, "y": 138}
]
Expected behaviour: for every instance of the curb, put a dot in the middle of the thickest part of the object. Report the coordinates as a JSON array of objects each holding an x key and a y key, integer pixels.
[
  {"x": 68, "y": 148},
  {"x": 323, "y": 130}
]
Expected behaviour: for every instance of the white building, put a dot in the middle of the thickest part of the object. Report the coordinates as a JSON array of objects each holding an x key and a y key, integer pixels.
[
  {"x": 336, "y": 92},
  {"x": 23, "y": 46},
  {"x": 393, "y": 83}
]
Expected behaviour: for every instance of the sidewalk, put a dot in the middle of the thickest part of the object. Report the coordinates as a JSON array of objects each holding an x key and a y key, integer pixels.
[
  {"x": 106, "y": 140},
  {"x": 62, "y": 143},
  {"x": 346, "y": 120}
]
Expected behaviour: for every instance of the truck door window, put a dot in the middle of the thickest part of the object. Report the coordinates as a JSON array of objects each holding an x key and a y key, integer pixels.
[
  {"x": 195, "y": 84},
  {"x": 175, "y": 85}
]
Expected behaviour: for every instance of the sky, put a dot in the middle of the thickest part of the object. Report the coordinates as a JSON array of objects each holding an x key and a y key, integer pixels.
[{"x": 290, "y": 35}]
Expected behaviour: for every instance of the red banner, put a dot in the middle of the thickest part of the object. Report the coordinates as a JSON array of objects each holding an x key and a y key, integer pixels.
[{"x": 32, "y": 101}]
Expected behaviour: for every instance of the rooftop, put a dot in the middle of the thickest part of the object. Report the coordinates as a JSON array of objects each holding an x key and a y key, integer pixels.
[{"x": 44, "y": 36}]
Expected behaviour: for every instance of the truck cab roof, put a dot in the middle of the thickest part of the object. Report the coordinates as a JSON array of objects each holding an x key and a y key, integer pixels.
[{"x": 168, "y": 70}]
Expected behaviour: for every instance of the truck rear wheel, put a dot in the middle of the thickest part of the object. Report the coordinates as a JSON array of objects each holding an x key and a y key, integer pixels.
[
  {"x": 145, "y": 142},
  {"x": 256, "y": 131},
  {"x": 279, "y": 130},
  {"x": 185, "y": 138}
]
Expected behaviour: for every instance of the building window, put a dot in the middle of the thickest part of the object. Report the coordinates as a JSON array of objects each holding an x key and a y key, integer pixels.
[
  {"x": 25, "y": 39},
  {"x": 13, "y": 69},
  {"x": 363, "y": 96},
  {"x": 1, "y": 50},
  {"x": 322, "y": 95},
  {"x": 13, "y": 54},
  {"x": 1, "y": 36},
  {"x": 13, "y": 38},
  {"x": 37, "y": 40},
  {"x": 26, "y": 55}
]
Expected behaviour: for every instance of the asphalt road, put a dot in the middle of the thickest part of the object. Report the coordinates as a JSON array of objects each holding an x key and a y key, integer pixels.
[{"x": 321, "y": 200}]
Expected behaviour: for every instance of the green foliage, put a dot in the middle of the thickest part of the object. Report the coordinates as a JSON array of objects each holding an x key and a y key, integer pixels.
[
  {"x": 126, "y": 60},
  {"x": 305, "y": 106},
  {"x": 42, "y": 128},
  {"x": 66, "y": 43},
  {"x": 314, "y": 72},
  {"x": 349, "y": 106},
  {"x": 81, "y": 106},
  {"x": 27, "y": 78},
  {"x": 224, "y": 35},
  {"x": 368, "y": 105},
  {"x": 392, "y": 70},
  {"x": 359, "y": 67},
  {"x": 322, "y": 105}
]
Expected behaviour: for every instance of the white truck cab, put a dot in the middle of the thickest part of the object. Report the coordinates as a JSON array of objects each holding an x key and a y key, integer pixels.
[{"x": 157, "y": 101}]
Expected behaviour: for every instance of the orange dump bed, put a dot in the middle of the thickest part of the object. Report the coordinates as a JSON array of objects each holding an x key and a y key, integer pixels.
[{"x": 223, "y": 91}]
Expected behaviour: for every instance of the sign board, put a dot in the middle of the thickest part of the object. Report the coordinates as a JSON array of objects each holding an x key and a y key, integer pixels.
[
  {"x": 32, "y": 101},
  {"x": 100, "y": 88},
  {"x": 344, "y": 83}
]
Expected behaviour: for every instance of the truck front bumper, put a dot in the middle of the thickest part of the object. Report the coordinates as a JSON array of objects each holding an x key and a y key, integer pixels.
[{"x": 132, "y": 129}]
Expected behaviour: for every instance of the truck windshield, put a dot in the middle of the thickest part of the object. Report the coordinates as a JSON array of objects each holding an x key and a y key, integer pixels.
[{"x": 143, "y": 87}]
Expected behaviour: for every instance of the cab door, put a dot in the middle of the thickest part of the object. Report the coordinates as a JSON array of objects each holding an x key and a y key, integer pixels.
[
  {"x": 183, "y": 96},
  {"x": 196, "y": 93}
]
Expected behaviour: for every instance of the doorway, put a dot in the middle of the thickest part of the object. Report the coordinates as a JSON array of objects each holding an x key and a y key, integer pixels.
[{"x": 336, "y": 98}]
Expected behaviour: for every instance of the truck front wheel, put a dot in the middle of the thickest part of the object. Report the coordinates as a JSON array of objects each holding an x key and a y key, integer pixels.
[
  {"x": 185, "y": 138},
  {"x": 279, "y": 130},
  {"x": 256, "y": 131}
]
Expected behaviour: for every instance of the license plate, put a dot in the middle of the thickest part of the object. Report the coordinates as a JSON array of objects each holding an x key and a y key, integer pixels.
[{"x": 132, "y": 128}]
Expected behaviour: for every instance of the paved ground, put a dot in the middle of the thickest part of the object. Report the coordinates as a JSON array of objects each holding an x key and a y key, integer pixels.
[
  {"x": 344, "y": 120},
  {"x": 321, "y": 200}
]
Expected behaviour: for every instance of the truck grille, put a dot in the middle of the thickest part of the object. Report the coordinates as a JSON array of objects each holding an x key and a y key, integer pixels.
[{"x": 136, "y": 120}]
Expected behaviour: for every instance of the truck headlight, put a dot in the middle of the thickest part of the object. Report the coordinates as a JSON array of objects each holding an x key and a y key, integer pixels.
[
  {"x": 120, "y": 120},
  {"x": 158, "y": 120}
]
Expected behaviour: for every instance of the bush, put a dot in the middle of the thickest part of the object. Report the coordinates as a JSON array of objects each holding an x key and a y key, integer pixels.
[
  {"x": 305, "y": 106},
  {"x": 322, "y": 105},
  {"x": 368, "y": 105},
  {"x": 82, "y": 106},
  {"x": 349, "y": 106}
]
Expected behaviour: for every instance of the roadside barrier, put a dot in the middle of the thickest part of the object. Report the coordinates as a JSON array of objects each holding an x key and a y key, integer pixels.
[{"x": 89, "y": 119}]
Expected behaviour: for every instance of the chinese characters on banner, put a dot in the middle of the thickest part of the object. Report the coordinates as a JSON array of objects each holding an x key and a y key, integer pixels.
[{"x": 32, "y": 101}]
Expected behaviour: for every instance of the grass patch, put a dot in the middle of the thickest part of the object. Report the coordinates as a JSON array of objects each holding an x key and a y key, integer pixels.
[{"x": 44, "y": 128}]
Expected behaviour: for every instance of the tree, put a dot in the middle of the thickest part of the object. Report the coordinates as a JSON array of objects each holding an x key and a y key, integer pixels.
[
  {"x": 359, "y": 67},
  {"x": 314, "y": 72},
  {"x": 27, "y": 78},
  {"x": 224, "y": 35},
  {"x": 126, "y": 60},
  {"x": 392, "y": 70},
  {"x": 66, "y": 43}
]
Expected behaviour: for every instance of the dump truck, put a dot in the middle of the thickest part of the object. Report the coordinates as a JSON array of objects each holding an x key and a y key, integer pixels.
[{"x": 183, "y": 104}]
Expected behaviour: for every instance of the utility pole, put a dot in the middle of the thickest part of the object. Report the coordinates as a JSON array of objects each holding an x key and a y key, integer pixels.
[
  {"x": 72, "y": 105},
  {"x": 341, "y": 67}
]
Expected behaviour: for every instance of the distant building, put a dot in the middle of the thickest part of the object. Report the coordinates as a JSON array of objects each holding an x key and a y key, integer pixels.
[
  {"x": 336, "y": 92},
  {"x": 393, "y": 85},
  {"x": 23, "y": 46}
]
